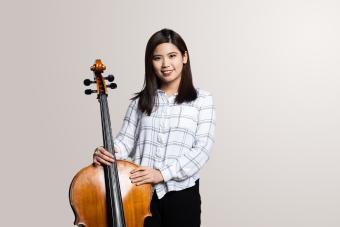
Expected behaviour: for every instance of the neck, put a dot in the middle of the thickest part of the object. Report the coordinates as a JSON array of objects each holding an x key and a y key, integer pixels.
[
  {"x": 170, "y": 89},
  {"x": 169, "y": 92}
]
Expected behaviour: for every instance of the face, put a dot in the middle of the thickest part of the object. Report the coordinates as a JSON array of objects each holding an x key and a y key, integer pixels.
[{"x": 168, "y": 64}]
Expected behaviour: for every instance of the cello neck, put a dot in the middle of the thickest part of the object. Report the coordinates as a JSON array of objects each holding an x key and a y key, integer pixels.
[{"x": 106, "y": 124}]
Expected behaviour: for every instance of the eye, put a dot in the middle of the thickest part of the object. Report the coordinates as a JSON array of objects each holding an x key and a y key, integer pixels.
[
  {"x": 172, "y": 55},
  {"x": 156, "y": 58}
]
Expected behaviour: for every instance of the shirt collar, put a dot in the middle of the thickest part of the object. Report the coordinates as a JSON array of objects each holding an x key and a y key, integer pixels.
[{"x": 163, "y": 92}]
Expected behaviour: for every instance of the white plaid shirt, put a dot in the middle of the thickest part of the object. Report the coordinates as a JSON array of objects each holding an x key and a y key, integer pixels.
[{"x": 176, "y": 139}]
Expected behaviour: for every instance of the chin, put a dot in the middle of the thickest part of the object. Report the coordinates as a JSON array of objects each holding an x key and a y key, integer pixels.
[{"x": 169, "y": 80}]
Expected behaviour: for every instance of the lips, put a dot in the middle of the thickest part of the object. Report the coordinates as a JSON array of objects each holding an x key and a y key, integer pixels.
[{"x": 167, "y": 72}]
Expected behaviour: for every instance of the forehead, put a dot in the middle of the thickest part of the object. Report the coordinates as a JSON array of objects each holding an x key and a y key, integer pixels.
[{"x": 165, "y": 48}]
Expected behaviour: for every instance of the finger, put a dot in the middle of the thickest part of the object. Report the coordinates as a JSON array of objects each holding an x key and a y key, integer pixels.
[
  {"x": 98, "y": 149},
  {"x": 96, "y": 163},
  {"x": 146, "y": 181},
  {"x": 140, "y": 168},
  {"x": 101, "y": 150},
  {"x": 139, "y": 179},
  {"x": 139, "y": 174},
  {"x": 105, "y": 152},
  {"x": 103, "y": 161},
  {"x": 105, "y": 157}
]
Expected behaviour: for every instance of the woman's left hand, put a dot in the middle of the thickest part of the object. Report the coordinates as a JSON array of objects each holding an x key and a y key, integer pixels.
[{"x": 145, "y": 175}]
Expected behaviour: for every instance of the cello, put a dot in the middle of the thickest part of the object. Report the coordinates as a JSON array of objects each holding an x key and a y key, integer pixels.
[{"x": 103, "y": 196}]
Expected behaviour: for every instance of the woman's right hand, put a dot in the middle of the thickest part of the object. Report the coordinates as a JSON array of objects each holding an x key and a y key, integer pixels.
[{"x": 102, "y": 156}]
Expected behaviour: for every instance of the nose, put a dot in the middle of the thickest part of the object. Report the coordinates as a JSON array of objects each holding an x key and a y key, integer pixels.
[{"x": 165, "y": 63}]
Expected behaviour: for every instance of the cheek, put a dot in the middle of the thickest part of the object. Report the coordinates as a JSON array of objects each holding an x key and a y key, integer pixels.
[
  {"x": 179, "y": 66},
  {"x": 156, "y": 68}
]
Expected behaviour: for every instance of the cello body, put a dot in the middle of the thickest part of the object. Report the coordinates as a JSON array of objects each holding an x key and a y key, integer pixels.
[
  {"x": 88, "y": 197},
  {"x": 103, "y": 196}
]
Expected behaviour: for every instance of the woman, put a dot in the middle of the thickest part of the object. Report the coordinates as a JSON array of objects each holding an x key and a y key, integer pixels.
[{"x": 168, "y": 130}]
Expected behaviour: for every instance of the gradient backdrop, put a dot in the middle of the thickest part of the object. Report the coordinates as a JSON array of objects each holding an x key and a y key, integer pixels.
[{"x": 272, "y": 67}]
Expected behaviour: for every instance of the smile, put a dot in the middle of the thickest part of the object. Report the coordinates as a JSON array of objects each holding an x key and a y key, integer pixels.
[{"x": 166, "y": 72}]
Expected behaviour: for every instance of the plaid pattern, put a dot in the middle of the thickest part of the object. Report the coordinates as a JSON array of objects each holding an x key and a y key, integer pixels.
[{"x": 176, "y": 139}]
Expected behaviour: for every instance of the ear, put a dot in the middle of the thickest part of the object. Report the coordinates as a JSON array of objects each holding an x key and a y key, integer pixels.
[{"x": 185, "y": 57}]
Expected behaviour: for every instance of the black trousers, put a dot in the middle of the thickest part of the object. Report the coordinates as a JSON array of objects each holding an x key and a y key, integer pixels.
[{"x": 176, "y": 209}]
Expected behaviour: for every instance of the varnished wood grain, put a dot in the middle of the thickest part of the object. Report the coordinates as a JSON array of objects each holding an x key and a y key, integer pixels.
[{"x": 88, "y": 198}]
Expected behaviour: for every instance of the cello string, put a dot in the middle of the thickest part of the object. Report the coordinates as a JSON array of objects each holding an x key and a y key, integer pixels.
[
  {"x": 108, "y": 172},
  {"x": 118, "y": 202},
  {"x": 119, "y": 219}
]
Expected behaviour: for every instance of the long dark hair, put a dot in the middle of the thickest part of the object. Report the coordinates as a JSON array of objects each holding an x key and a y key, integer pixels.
[{"x": 186, "y": 90}]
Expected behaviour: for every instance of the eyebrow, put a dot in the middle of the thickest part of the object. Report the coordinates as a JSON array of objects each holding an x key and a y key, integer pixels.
[{"x": 173, "y": 52}]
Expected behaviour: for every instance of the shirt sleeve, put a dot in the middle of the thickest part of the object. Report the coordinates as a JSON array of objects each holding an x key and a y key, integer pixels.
[
  {"x": 125, "y": 140},
  {"x": 190, "y": 163}
]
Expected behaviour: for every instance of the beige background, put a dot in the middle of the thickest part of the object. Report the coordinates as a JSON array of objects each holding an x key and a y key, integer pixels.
[{"x": 272, "y": 67}]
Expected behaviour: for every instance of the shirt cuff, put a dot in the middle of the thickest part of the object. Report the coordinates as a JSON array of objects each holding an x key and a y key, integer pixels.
[
  {"x": 120, "y": 154},
  {"x": 166, "y": 173}
]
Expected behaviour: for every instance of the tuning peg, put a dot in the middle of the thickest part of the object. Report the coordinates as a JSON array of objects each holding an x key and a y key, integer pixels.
[
  {"x": 110, "y": 78},
  {"x": 112, "y": 86},
  {"x": 89, "y": 91},
  {"x": 88, "y": 82}
]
